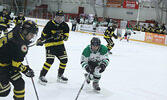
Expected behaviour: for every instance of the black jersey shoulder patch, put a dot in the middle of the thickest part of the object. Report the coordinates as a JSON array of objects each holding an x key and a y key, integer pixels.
[{"x": 24, "y": 48}]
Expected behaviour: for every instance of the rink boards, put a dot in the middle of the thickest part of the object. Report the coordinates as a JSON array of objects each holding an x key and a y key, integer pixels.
[{"x": 139, "y": 36}]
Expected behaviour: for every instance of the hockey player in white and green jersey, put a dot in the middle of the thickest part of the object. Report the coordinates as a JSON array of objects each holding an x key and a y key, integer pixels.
[{"x": 94, "y": 60}]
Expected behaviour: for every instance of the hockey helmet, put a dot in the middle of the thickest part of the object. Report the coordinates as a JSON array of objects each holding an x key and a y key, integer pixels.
[
  {"x": 29, "y": 30},
  {"x": 95, "y": 44},
  {"x": 95, "y": 41},
  {"x": 59, "y": 18},
  {"x": 59, "y": 13},
  {"x": 4, "y": 9}
]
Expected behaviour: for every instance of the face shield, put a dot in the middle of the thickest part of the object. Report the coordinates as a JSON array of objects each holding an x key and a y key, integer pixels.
[
  {"x": 4, "y": 11},
  {"x": 95, "y": 48},
  {"x": 29, "y": 36},
  {"x": 59, "y": 19},
  {"x": 29, "y": 31},
  {"x": 95, "y": 44}
]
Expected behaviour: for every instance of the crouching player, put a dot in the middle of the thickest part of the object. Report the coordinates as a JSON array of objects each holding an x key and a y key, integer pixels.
[{"x": 94, "y": 60}]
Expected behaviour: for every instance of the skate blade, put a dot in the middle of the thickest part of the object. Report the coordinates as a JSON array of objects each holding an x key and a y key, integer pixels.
[
  {"x": 61, "y": 81},
  {"x": 96, "y": 91},
  {"x": 42, "y": 83}
]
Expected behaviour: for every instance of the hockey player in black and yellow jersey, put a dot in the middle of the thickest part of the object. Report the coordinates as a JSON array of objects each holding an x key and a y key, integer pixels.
[
  {"x": 19, "y": 19},
  {"x": 13, "y": 49},
  {"x": 4, "y": 21},
  {"x": 54, "y": 33},
  {"x": 108, "y": 34}
]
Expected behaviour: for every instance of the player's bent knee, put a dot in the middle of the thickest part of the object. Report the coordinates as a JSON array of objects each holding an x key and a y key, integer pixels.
[
  {"x": 4, "y": 89},
  {"x": 19, "y": 84},
  {"x": 64, "y": 61},
  {"x": 4, "y": 94},
  {"x": 50, "y": 61}
]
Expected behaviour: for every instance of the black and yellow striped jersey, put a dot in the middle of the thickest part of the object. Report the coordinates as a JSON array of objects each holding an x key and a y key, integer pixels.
[
  {"x": 19, "y": 19},
  {"x": 55, "y": 33},
  {"x": 4, "y": 19},
  {"x": 110, "y": 32},
  {"x": 13, "y": 49}
]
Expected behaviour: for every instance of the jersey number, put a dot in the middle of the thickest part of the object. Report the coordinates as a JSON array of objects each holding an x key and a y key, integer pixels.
[{"x": 4, "y": 39}]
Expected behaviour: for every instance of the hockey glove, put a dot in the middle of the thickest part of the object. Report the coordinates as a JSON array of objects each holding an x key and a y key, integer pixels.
[
  {"x": 87, "y": 68},
  {"x": 116, "y": 37},
  {"x": 39, "y": 42},
  {"x": 8, "y": 26},
  {"x": 103, "y": 67},
  {"x": 29, "y": 72},
  {"x": 63, "y": 37}
]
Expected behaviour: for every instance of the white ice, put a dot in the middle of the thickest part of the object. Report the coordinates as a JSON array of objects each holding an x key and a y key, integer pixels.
[{"x": 137, "y": 71}]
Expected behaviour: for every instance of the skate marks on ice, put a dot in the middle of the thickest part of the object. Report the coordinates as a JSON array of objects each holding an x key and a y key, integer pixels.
[{"x": 87, "y": 93}]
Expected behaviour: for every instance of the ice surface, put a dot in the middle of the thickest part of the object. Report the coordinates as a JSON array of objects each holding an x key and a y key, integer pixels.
[{"x": 137, "y": 71}]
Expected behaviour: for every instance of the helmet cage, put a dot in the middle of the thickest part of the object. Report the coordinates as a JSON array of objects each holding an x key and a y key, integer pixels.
[
  {"x": 29, "y": 28},
  {"x": 59, "y": 18},
  {"x": 95, "y": 44}
]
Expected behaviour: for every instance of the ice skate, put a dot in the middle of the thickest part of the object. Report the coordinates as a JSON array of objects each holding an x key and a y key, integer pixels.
[
  {"x": 42, "y": 80},
  {"x": 62, "y": 79},
  {"x": 96, "y": 86},
  {"x": 109, "y": 52}
]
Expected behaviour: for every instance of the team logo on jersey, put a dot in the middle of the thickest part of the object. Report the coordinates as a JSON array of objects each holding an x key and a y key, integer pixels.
[{"x": 24, "y": 48}]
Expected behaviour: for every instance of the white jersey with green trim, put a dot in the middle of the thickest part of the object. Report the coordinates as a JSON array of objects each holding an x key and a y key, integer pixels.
[{"x": 100, "y": 56}]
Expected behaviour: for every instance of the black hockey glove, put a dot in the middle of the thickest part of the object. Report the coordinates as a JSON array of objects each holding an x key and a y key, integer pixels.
[
  {"x": 63, "y": 37},
  {"x": 29, "y": 72},
  {"x": 87, "y": 68},
  {"x": 39, "y": 42},
  {"x": 8, "y": 26},
  {"x": 116, "y": 37},
  {"x": 103, "y": 67}
]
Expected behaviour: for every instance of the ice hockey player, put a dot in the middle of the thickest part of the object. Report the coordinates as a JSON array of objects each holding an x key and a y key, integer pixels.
[
  {"x": 94, "y": 60},
  {"x": 4, "y": 21},
  {"x": 108, "y": 34},
  {"x": 19, "y": 19},
  {"x": 127, "y": 34},
  {"x": 13, "y": 49},
  {"x": 54, "y": 34}
]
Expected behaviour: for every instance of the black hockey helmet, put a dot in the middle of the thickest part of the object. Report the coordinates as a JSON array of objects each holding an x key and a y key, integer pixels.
[
  {"x": 29, "y": 27},
  {"x": 95, "y": 44},
  {"x": 95, "y": 41},
  {"x": 59, "y": 13},
  {"x": 4, "y": 9},
  {"x": 59, "y": 18}
]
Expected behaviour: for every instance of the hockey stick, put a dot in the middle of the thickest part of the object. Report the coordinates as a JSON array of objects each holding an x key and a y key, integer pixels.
[
  {"x": 82, "y": 87},
  {"x": 33, "y": 82}
]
